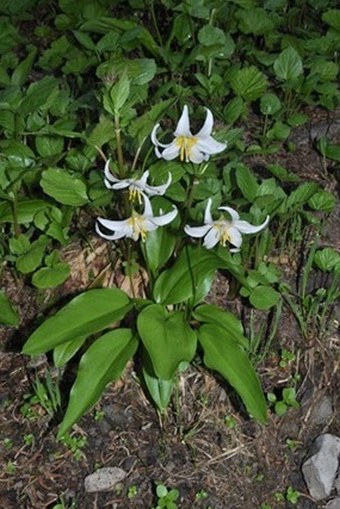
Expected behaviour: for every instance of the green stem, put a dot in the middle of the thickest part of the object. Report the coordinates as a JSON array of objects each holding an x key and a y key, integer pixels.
[
  {"x": 155, "y": 24},
  {"x": 119, "y": 147},
  {"x": 15, "y": 215},
  {"x": 211, "y": 20}
]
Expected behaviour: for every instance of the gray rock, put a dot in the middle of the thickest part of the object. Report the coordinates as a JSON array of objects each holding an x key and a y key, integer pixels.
[
  {"x": 333, "y": 504},
  {"x": 322, "y": 411},
  {"x": 104, "y": 479},
  {"x": 337, "y": 484},
  {"x": 319, "y": 470}
]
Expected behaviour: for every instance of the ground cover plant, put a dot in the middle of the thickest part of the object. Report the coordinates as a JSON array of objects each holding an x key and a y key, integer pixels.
[{"x": 159, "y": 137}]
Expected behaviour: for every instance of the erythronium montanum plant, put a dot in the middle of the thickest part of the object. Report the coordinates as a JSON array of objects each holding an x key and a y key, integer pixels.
[{"x": 172, "y": 324}]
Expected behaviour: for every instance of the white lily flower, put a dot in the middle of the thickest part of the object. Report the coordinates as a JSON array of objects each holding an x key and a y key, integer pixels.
[
  {"x": 138, "y": 225},
  {"x": 136, "y": 186},
  {"x": 195, "y": 148},
  {"x": 223, "y": 230}
]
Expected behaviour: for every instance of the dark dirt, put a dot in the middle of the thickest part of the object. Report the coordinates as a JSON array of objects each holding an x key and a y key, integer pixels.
[{"x": 205, "y": 442}]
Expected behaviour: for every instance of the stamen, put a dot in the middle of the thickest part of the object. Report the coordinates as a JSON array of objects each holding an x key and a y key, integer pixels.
[
  {"x": 223, "y": 232},
  {"x": 186, "y": 144},
  {"x": 135, "y": 195},
  {"x": 137, "y": 223}
]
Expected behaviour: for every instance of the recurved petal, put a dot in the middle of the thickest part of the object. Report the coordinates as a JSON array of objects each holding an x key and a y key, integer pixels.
[
  {"x": 113, "y": 225},
  {"x": 158, "y": 190},
  {"x": 147, "y": 207},
  {"x": 107, "y": 172},
  {"x": 245, "y": 227},
  {"x": 210, "y": 146},
  {"x": 212, "y": 238},
  {"x": 183, "y": 126},
  {"x": 208, "y": 124},
  {"x": 207, "y": 213},
  {"x": 232, "y": 212},
  {"x": 165, "y": 218},
  {"x": 154, "y": 138},
  {"x": 197, "y": 231},
  {"x": 118, "y": 235}
]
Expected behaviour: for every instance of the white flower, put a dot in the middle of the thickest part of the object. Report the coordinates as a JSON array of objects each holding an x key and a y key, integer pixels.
[
  {"x": 195, "y": 148},
  {"x": 223, "y": 230},
  {"x": 138, "y": 225},
  {"x": 136, "y": 186}
]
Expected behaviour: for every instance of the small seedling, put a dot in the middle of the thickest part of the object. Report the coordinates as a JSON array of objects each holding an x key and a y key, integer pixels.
[
  {"x": 288, "y": 400},
  {"x": 132, "y": 491},
  {"x": 29, "y": 439},
  {"x": 292, "y": 495},
  {"x": 10, "y": 467},
  {"x": 201, "y": 495},
  {"x": 286, "y": 358},
  {"x": 75, "y": 444},
  {"x": 8, "y": 443},
  {"x": 230, "y": 421},
  {"x": 166, "y": 498}
]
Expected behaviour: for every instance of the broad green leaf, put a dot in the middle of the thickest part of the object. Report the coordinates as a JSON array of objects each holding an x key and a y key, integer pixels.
[
  {"x": 302, "y": 194},
  {"x": 50, "y": 277},
  {"x": 209, "y": 313},
  {"x": 189, "y": 278},
  {"x": 223, "y": 354},
  {"x": 40, "y": 94},
  {"x": 282, "y": 173},
  {"x": 167, "y": 337},
  {"x": 144, "y": 124},
  {"x": 89, "y": 312},
  {"x": 18, "y": 154},
  {"x": 8, "y": 315},
  {"x": 332, "y": 17},
  {"x": 322, "y": 200},
  {"x": 47, "y": 145},
  {"x": 119, "y": 93},
  {"x": 270, "y": 104},
  {"x": 255, "y": 21},
  {"x": 64, "y": 352},
  {"x": 102, "y": 133},
  {"x": 101, "y": 364},
  {"x": 246, "y": 182},
  {"x": 21, "y": 73},
  {"x": 30, "y": 260},
  {"x": 279, "y": 131},
  {"x": 160, "y": 244},
  {"x": 264, "y": 297},
  {"x": 64, "y": 187},
  {"x": 288, "y": 65},
  {"x": 249, "y": 83},
  {"x": 159, "y": 390},
  {"x": 234, "y": 109},
  {"x": 327, "y": 259}
]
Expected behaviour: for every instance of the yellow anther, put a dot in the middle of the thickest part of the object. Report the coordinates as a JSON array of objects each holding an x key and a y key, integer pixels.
[
  {"x": 137, "y": 223},
  {"x": 223, "y": 232},
  {"x": 135, "y": 195},
  {"x": 185, "y": 144}
]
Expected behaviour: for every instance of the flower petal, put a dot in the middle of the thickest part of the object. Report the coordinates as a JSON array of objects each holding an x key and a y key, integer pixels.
[
  {"x": 196, "y": 155},
  {"x": 197, "y": 231},
  {"x": 154, "y": 138},
  {"x": 245, "y": 227},
  {"x": 118, "y": 235},
  {"x": 158, "y": 190},
  {"x": 207, "y": 214},
  {"x": 235, "y": 237},
  {"x": 232, "y": 212},
  {"x": 147, "y": 207},
  {"x": 171, "y": 151},
  {"x": 212, "y": 238},
  {"x": 165, "y": 218},
  {"x": 208, "y": 125},
  {"x": 183, "y": 126},
  {"x": 210, "y": 146}
]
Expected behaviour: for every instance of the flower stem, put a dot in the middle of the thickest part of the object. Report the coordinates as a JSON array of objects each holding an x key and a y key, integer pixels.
[{"x": 119, "y": 147}]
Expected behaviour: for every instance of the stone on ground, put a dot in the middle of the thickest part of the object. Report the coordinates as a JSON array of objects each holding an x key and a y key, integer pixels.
[{"x": 104, "y": 479}]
